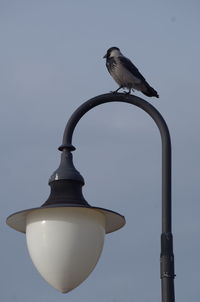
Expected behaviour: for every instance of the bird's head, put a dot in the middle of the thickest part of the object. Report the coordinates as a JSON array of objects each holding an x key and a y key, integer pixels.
[{"x": 112, "y": 52}]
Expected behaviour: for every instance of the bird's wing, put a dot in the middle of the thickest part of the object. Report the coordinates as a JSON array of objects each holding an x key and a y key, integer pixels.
[{"x": 131, "y": 67}]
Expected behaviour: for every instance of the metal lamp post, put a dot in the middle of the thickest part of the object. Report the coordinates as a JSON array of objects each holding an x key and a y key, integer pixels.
[{"x": 65, "y": 229}]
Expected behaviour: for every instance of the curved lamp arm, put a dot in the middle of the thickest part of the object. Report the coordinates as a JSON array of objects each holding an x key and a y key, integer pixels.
[{"x": 167, "y": 258}]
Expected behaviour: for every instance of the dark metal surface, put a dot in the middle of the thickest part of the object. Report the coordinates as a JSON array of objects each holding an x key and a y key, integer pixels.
[
  {"x": 66, "y": 192},
  {"x": 167, "y": 258},
  {"x": 66, "y": 169}
]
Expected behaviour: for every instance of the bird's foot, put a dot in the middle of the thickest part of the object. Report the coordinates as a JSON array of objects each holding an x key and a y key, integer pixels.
[
  {"x": 127, "y": 92},
  {"x": 114, "y": 92}
]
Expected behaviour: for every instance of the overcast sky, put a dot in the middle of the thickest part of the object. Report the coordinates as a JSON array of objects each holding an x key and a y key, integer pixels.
[{"x": 51, "y": 62}]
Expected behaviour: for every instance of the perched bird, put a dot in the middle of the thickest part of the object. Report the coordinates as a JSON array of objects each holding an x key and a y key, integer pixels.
[{"x": 126, "y": 74}]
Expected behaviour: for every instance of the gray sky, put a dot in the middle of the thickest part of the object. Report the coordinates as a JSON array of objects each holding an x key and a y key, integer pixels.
[{"x": 51, "y": 62}]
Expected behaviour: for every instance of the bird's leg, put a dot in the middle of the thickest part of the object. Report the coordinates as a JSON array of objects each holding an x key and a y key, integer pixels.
[
  {"x": 117, "y": 89},
  {"x": 128, "y": 92}
]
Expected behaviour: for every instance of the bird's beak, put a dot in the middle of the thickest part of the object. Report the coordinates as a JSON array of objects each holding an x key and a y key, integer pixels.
[{"x": 104, "y": 57}]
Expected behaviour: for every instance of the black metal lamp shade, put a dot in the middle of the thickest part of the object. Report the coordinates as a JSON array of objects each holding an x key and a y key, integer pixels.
[{"x": 66, "y": 192}]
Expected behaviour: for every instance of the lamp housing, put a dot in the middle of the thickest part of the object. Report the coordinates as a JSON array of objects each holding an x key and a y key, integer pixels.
[{"x": 65, "y": 236}]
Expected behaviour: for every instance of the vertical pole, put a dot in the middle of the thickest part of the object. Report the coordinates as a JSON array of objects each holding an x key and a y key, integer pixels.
[{"x": 166, "y": 256}]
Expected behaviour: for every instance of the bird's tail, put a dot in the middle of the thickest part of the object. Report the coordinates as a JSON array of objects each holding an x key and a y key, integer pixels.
[{"x": 149, "y": 91}]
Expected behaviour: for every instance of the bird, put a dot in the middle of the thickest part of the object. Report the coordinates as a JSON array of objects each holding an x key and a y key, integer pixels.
[{"x": 126, "y": 74}]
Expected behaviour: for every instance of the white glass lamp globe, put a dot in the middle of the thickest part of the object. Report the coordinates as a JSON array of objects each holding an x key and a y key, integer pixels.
[{"x": 65, "y": 243}]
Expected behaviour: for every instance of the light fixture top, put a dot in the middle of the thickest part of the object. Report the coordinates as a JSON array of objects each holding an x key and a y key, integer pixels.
[{"x": 114, "y": 221}]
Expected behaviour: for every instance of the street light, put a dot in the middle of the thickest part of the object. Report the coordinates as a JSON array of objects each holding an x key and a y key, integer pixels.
[{"x": 65, "y": 235}]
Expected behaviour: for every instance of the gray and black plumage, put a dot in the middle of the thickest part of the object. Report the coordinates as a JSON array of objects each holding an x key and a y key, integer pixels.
[{"x": 126, "y": 74}]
